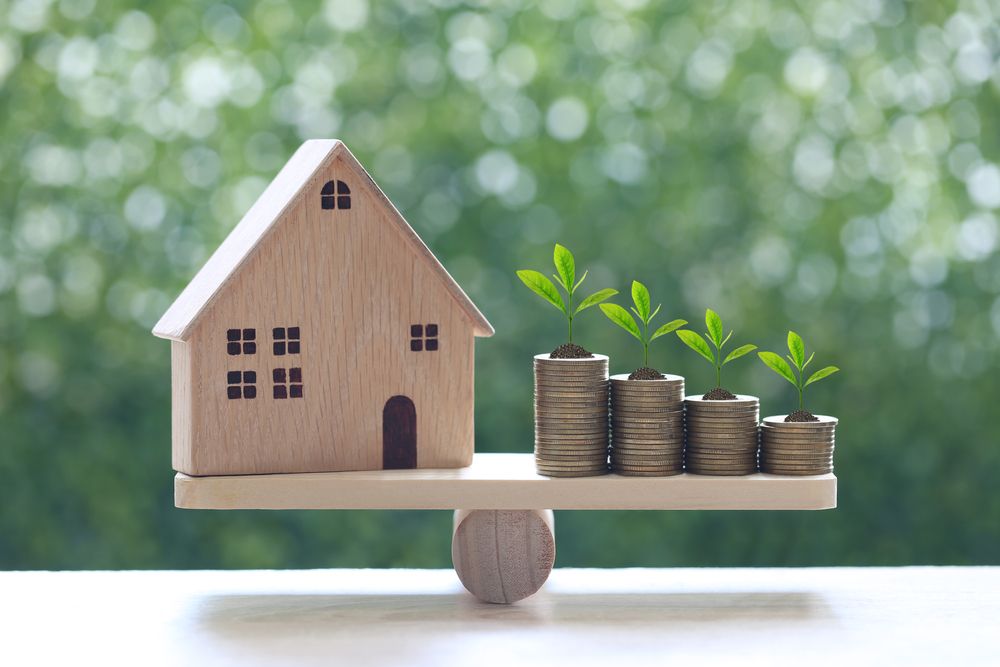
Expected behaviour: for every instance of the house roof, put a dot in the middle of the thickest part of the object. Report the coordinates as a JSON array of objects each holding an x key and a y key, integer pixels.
[{"x": 179, "y": 320}]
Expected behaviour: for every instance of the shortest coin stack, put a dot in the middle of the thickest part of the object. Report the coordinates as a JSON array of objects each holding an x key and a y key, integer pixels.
[
  {"x": 721, "y": 436},
  {"x": 797, "y": 448},
  {"x": 647, "y": 426},
  {"x": 571, "y": 416}
]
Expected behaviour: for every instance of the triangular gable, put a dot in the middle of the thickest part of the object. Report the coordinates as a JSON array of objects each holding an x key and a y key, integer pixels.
[{"x": 179, "y": 320}]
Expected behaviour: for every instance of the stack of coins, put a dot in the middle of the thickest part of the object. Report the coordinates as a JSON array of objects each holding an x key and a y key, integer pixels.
[
  {"x": 721, "y": 436},
  {"x": 571, "y": 416},
  {"x": 647, "y": 426},
  {"x": 797, "y": 448}
]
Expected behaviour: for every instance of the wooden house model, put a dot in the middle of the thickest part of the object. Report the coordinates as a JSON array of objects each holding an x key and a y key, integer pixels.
[{"x": 322, "y": 335}]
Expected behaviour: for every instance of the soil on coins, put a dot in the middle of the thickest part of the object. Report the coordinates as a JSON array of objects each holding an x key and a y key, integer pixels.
[{"x": 570, "y": 351}]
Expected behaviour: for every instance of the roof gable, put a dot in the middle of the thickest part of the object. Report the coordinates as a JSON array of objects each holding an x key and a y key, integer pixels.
[{"x": 178, "y": 321}]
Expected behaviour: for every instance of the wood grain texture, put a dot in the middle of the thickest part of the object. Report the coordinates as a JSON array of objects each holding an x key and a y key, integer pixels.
[
  {"x": 638, "y": 617},
  {"x": 353, "y": 281},
  {"x": 502, "y": 481},
  {"x": 181, "y": 384},
  {"x": 502, "y": 556}
]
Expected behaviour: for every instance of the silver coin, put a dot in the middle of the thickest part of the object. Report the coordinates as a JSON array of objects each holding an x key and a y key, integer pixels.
[
  {"x": 568, "y": 439},
  {"x": 798, "y": 439},
  {"x": 797, "y": 428},
  {"x": 548, "y": 470},
  {"x": 578, "y": 419},
  {"x": 797, "y": 448},
  {"x": 779, "y": 421},
  {"x": 708, "y": 459},
  {"x": 660, "y": 443},
  {"x": 795, "y": 470},
  {"x": 625, "y": 438},
  {"x": 741, "y": 399}
]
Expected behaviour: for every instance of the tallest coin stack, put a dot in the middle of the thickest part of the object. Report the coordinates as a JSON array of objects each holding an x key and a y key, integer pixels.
[{"x": 571, "y": 416}]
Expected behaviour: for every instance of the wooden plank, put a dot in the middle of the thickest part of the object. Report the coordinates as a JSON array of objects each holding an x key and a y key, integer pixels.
[{"x": 502, "y": 481}]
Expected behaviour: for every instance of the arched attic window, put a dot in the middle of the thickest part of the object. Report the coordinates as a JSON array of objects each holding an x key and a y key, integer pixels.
[{"x": 335, "y": 195}]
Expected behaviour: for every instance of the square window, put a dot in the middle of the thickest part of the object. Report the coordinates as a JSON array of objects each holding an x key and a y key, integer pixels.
[
  {"x": 423, "y": 337},
  {"x": 248, "y": 379},
  {"x": 329, "y": 203},
  {"x": 287, "y": 382},
  {"x": 286, "y": 340},
  {"x": 234, "y": 337},
  {"x": 344, "y": 202}
]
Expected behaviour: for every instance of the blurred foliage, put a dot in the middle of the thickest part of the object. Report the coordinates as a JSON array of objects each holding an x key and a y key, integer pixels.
[{"x": 829, "y": 167}]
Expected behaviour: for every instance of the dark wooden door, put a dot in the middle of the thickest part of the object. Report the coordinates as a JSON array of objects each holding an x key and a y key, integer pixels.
[{"x": 399, "y": 433}]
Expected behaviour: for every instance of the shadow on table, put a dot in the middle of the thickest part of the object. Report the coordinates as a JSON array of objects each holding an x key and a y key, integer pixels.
[{"x": 256, "y": 618}]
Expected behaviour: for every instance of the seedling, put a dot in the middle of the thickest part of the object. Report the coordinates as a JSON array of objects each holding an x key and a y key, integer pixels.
[
  {"x": 714, "y": 325},
  {"x": 796, "y": 355},
  {"x": 566, "y": 278},
  {"x": 624, "y": 319}
]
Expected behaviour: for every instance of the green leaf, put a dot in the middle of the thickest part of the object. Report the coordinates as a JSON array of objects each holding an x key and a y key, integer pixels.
[
  {"x": 543, "y": 287},
  {"x": 595, "y": 298},
  {"x": 667, "y": 328},
  {"x": 820, "y": 374},
  {"x": 653, "y": 314},
  {"x": 726, "y": 339},
  {"x": 808, "y": 361},
  {"x": 797, "y": 348},
  {"x": 779, "y": 366},
  {"x": 622, "y": 318},
  {"x": 559, "y": 281},
  {"x": 565, "y": 265},
  {"x": 739, "y": 352},
  {"x": 640, "y": 297},
  {"x": 694, "y": 340},
  {"x": 580, "y": 281},
  {"x": 714, "y": 325}
]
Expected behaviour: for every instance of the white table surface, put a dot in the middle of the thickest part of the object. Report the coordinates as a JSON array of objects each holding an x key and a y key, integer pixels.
[{"x": 611, "y": 618}]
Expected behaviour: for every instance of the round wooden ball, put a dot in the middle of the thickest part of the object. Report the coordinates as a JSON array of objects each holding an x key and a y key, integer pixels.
[{"x": 503, "y": 556}]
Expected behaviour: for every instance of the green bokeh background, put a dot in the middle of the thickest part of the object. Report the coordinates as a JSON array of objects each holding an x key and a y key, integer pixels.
[{"x": 827, "y": 167}]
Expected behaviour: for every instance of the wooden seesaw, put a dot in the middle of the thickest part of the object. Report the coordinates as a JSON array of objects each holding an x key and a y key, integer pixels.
[{"x": 503, "y": 545}]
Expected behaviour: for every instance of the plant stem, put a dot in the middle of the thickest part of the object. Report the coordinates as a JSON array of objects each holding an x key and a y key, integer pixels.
[
  {"x": 570, "y": 315},
  {"x": 718, "y": 374},
  {"x": 645, "y": 346},
  {"x": 799, "y": 387}
]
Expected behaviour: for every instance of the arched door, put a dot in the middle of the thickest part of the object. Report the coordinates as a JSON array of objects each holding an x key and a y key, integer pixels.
[{"x": 399, "y": 434}]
